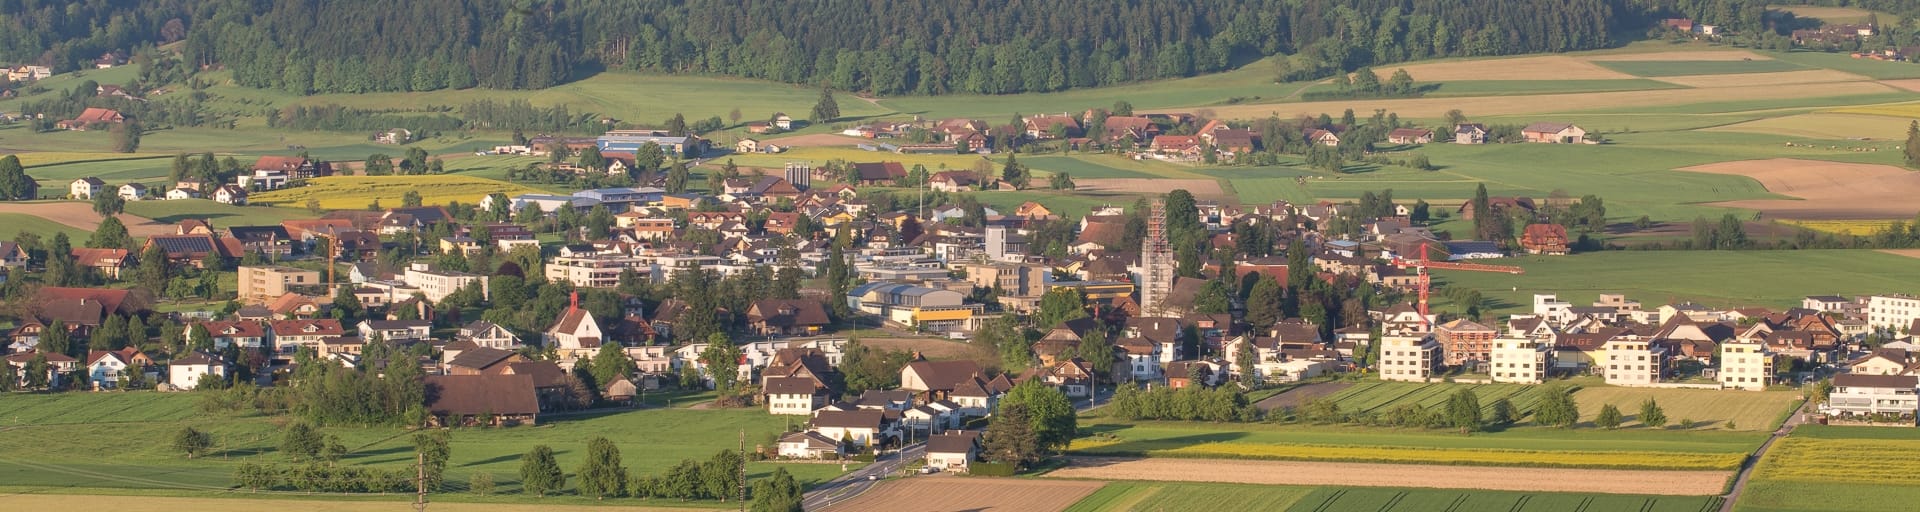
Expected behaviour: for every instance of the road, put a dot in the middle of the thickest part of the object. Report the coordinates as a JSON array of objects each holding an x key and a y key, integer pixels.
[
  {"x": 1746, "y": 468},
  {"x": 852, "y": 484}
]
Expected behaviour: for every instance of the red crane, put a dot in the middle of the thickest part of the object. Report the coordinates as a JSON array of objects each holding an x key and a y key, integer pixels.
[{"x": 1426, "y": 281}]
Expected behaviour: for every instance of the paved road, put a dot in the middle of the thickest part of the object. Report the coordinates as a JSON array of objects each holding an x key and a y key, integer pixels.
[
  {"x": 1746, "y": 468},
  {"x": 852, "y": 484}
]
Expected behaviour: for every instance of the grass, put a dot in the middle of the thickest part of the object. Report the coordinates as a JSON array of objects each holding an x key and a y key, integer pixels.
[
  {"x": 1494, "y": 87},
  {"x": 1067, "y": 203},
  {"x": 1822, "y": 467},
  {"x": 1842, "y": 227},
  {"x": 1215, "y": 497},
  {"x": 1652, "y": 68},
  {"x": 251, "y": 502},
  {"x": 38, "y": 450},
  {"x": 1748, "y": 411},
  {"x": 1878, "y": 70},
  {"x": 221, "y": 214},
  {"x": 12, "y": 224},
  {"x": 1378, "y": 396},
  {"x": 1849, "y": 123},
  {"x": 352, "y": 192},
  {"x": 1524, "y": 446},
  {"x": 1108, "y": 166},
  {"x": 1251, "y": 83},
  {"x": 820, "y": 155},
  {"x": 1659, "y": 277}
]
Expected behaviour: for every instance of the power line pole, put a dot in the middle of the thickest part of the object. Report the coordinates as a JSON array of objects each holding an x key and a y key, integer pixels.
[
  {"x": 420, "y": 481},
  {"x": 743, "y": 470}
]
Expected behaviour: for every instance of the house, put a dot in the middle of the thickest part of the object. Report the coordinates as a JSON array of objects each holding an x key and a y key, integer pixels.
[
  {"x": 133, "y": 191},
  {"x": 782, "y": 121},
  {"x": 393, "y": 136},
  {"x": 230, "y": 194},
  {"x": 1633, "y": 361},
  {"x": 809, "y": 445},
  {"x": 1554, "y": 133},
  {"x": 953, "y": 181},
  {"x": 487, "y": 334},
  {"x": 92, "y": 117},
  {"x": 465, "y": 399},
  {"x": 105, "y": 368},
  {"x": 953, "y": 451},
  {"x": 1176, "y": 144},
  {"x": 482, "y": 360},
  {"x": 1323, "y": 137},
  {"x": 787, "y": 317},
  {"x": 291, "y": 335},
  {"x": 85, "y": 188},
  {"x": 1745, "y": 363},
  {"x": 12, "y": 256},
  {"x": 396, "y": 331},
  {"x": 576, "y": 331},
  {"x": 878, "y": 173},
  {"x": 859, "y": 427},
  {"x": 1409, "y": 358},
  {"x": 182, "y": 193},
  {"x": 1465, "y": 342},
  {"x": 1410, "y": 136},
  {"x": 184, "y": 373},
  {"x": 798, "y": 396},
  {"x": 262, "y": 283},
  {"x": 1870, "y": 397},
  {"x": 747, "y": 145},
  {"x": 1520, "y": 360},
  {"x": 1043, "y": 127},
  {"x": 1549, "y": 239},
  {"x": 1470, "y": 133},
  {"x": 293, "y": 167},
  {"x": 108, "y": 263}
]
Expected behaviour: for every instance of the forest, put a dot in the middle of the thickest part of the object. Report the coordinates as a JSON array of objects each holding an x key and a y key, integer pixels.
[{"x": 887, "y": 47}]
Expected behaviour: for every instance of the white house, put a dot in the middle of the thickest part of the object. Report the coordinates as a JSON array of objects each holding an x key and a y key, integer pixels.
[
  {"x": 797, "y": 396},
  {"x": 133, "y": 191},
  {"x": 104, "y": 368},
  {"x": 487, "y": 334},
  {"x": 1520, "y": 360},
  {"x": 1632, "y": 361},
  {"x": 1745, "y": 364},
  {"x": 85, "y": 188},
  {"x": 184, "y": 373},
  {"x": 182, "y": 193},
  {"x": 1409, "y": 358},
  {"x": 230, "y": 194},
  {"x": 862, "y": 427},
  {"x": 1866, "y": 396},
  {"x": 809, "y": 445},
  {"x": 953, "y": 451}
]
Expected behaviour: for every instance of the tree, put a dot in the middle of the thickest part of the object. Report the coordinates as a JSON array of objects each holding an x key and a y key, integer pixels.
[
  {"x": 152, "y": 272},
  {"x": 602, "y": 475},
  {"x": 611, "y": 363},
  {"x": 1245, "y": 359},
  {"x": 1263, "y": 302},
  {"x": 411, "y": 199},
  {"x": 1214, "y": 297},
  {"x": 780, "y": 493},
  {"x": 55, "y": 339},
  {"x": 677, "y": 178},
  {"x": 108, "y": 205},
  {"x": 434, "y": 448},
  {"x": 1010, "y": 438},
  {"x": 1098, "y": 353},
  {"x": 720, "y": 476},
  {"x": 676, "y": 125},
  {"x": 1609, "y": 417},
  {"x": 1557, "y": 408},
  {"x": 301, "y": 442},
  {"x": 1401, "y": 83},
  {"x": 1013, "y": 172},
  {"x": 39, "y": 371},
  {"x": 126, "y": 136},
  {"x": 1048, "y": 410},
  {"x": 111, "y": 234},
  {"x": 14, "y": 182},
  {"x": 722, "y": 361},
  {"x": 1060, "y": 181},
  {"x": 1913, "y": 144},
  {"x": 1651, "y": 415},
  {"x": 1455, "y": 118},
  {"x": 481, "y": 483},
  {"x": 825, "y": 109},
  {"x": 191, "y": 441},
  {"x": 1463, "y": 410},
  {"x": 1503, "y": 413},
  {"x": 540, "y": 473},
  {"x": 1060, "y": 305}
]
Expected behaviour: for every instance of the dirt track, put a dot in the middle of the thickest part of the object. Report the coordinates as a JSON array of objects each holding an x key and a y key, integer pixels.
[
  {"x": 1680, "y": 483},
  {"x": 944, "y": 493},
  {"x": 80, "y": 215},
  {"x": 1827, "y": 190}
]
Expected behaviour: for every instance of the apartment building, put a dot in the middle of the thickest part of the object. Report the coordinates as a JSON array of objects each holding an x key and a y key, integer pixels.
[
  {"x": 1409, "y": 358},
  {"x": 1520, "y": 360},
  {"x": 262, "y": 283}
]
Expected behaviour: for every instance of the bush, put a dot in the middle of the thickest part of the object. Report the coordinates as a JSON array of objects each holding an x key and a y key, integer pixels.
[
  {"x": 481, "y": 483},
  {"x": 991, "y": 469}
]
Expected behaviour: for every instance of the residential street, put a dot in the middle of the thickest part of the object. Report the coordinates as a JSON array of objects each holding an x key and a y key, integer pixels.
[
  {"x": 1746, "y": 468},
  {"x": 853, "y": 483}
]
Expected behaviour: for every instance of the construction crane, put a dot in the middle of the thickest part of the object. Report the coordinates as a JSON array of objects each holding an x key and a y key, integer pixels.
[{"x": 1426, "y": 281}]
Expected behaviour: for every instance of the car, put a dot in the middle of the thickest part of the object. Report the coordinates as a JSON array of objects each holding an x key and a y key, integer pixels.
[
  {"x": 873, "y": 477},
  {"x": 928, "y": 470}
]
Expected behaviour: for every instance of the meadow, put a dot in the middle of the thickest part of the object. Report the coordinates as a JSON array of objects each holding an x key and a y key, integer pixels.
[
  {"x": 355, "y": 192},
  {"x": 12, "y": 224},
  {"x": 1375, "y": 396},
  {"x": 1822, "y": 467},
  {"x": 220, "y": 215},
  {"x": 1127, "y": 496},
  {"x": 39, "y": 451},
  {"x": 1660, "y": 277},
  {"x": 1755, "y": 411},
  {"x": 1660, "y": 68}
]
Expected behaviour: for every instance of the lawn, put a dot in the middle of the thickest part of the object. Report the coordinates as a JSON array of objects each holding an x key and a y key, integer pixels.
[
  {"x": 821, "y": 155},
  {"x": 1194, "y": 497},
  {"x": 151, "y": 170},
  {"x": 12, "y": 224},
  {"x": 1252, "y": 83},
  {"x": 1822, "y": 467},
  {"x": 1658, "y": 68},
  {"x": 1523, "y": 446},
  {"x": 40, "y": 446},
  {"x": 1747, "y": 410},
  {"x": 222, "y": 214},
  {"x": 1066, "y": 203},
  {"x": 1660, "y": 277},
  {"x": 250, "y": 502},
  {"x": 354, "y": 192},
  {"x": 1880, "y": 70}
]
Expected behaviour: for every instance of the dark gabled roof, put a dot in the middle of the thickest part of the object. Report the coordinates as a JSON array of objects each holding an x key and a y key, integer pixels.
[
  {"x": 481, "y": 394},
  {"x": 858, "y": 418},
  {"x": 185, "y": 246},
  {"x": 479, "y": 358},
  {"x": 1876, "y": 381},
  {"x": 258, "y": 233},
  {"x": 802, "y": 312},
  {"x": 879, "y": 171},
  {"x": 788, "y": 386},
  {"x": 953, "y": 442},
  {"x": 814, "y": 440},
  {"x": 945, "y": 375},
  {"x": 197, "y": 358},
  {"x": 545, "y": 374}
]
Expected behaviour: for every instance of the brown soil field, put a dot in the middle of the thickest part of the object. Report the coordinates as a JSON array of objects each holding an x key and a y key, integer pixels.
[
  {"x": 1201, "y": 188},
  {"x": 1812, "y": 76},
  {"x": 315, "y": 504},
  {"x": 972, "y": 494},
  {"x": 1682, "y": 55},
  {"x": 817, "y": 139},
  {"x": 1544, "y": 103},
  {"x": 1679, "y": 483},
  {"x": 80, "y": 215},
  {"x": 1548, "y": 67},
  {"x": 1827, "y": 190},
  {"x": 1911, "y": 84},
  {"x": 932, "y": 348},
  {"x": 1910, "y": 253}
]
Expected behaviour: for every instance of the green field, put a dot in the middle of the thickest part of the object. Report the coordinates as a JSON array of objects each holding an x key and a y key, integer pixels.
[
  {"x": 1109, "y": 166},
  {"x": 38, "y": 450},
  {"x": 12, "y": 224},
  {"x": 353, "y": 192},
  {"x": 1491, "y": 87},
  {"x": 1822, "y": 467},
  {"x": 1879, "y": 70},
  {"x": 1658, "y": 68},
  {"x": 1379, "y": 396},
  {"x": 1660, "y": 277},
  {"x": 221, "y": 214},
  {"x": 1758, "y": 411},
  {"x": 1208, "y": 497}
]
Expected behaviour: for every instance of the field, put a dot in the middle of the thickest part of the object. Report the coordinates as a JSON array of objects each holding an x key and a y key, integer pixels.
[
  {"x": 12, "y": 224},
  {"x": 220, "y": 215},
  {"x": 1662, "y": 68},
  {"x": 1679, "y": 483},
  {"x": 1213, "y": 497},
  {"x": 1537, "y": 447},
  {"x": 1669, "y": 276},
  {"x": 80, "y": 216},
  {"x": 333, "y": 504},
  {"x": 1378, "y": 396},
  {"x": 1836, "y": 468},
  {"x": 1826, "y": 125},
  {"x": 1825, "y": 190},
  {"x": 1811, "y": 76},
  {"x": 1748, "y": 410},
  {"x": 1205, "y": 189},
  {"x": 39, "y": 446},
  {"x": 354, "y": 192},
  {"x": 1544, "y": 67},
  {"x": 948, "y": 493},
  {"x": 1184, "y": 496},
  {"x": 1827, "y": 14}
]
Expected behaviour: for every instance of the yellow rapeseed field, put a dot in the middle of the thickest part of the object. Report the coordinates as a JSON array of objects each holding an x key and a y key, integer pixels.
[
  {"x": 350, "y": 192},
  {"x": 1476, "y": 457},
  {"x": 1876, "y": 461},
  {"x": 1841, "y": 227}
]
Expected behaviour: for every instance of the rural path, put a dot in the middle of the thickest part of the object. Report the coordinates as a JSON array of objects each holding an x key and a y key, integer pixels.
[
  {"x": 1746, "y": 468},
  {"x": 852, "y": 484}
]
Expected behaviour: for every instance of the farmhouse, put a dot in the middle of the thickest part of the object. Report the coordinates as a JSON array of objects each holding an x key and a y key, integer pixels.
[
  {"x": 785, "y": 317},
  {"x": 184, "y": 373},
  {"x": 1470, "y": 133},
  {"x": 467, "y": 399},
  {"x": 85, "y": 188},
  {"x": 860, "y": 427},
  {"x": 953, "y": 451},
  {"x": 878, "y": 173},
  {"x": 92, "y": 118},
  {"x": 1410, "y": 136},
  {"x": 1554, "y": 133},
  {"x": 809, "y": 445},
  {"x": 1549, "y": 239}
]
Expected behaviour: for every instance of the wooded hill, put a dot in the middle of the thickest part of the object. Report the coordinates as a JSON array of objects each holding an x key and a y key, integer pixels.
[{"x": 879, "y": 46}]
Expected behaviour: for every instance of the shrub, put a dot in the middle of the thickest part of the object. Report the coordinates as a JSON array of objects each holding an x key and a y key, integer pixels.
[{"x": 481, "y": 483}]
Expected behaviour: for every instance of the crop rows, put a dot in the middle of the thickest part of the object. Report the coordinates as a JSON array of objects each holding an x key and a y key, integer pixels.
[
  {"x": 1467, "y": 457},
  {"x": 1841, "y": 227},
  {"x": 1382, "y": 396},
  {"x": 1879, "y": 461},
  {"x": 1438, "y": 500}
]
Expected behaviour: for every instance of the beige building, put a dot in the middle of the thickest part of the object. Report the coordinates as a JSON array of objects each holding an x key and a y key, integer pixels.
[
  {"x": 1520, "y": 360},
  {"x": 598, "y": 271},
  {"x": 1632, "y": 361},
  {"x": 1892, "y": 312},
  {"x": 437, "y": 285},
  {"x": 1745, "y": 364},
  {"x": 259, "y": 284},
  {"x": 1409, "y": 358}
]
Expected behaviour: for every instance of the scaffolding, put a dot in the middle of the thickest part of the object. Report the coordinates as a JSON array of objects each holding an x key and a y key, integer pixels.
[{"x": 1156, "y": 263}]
